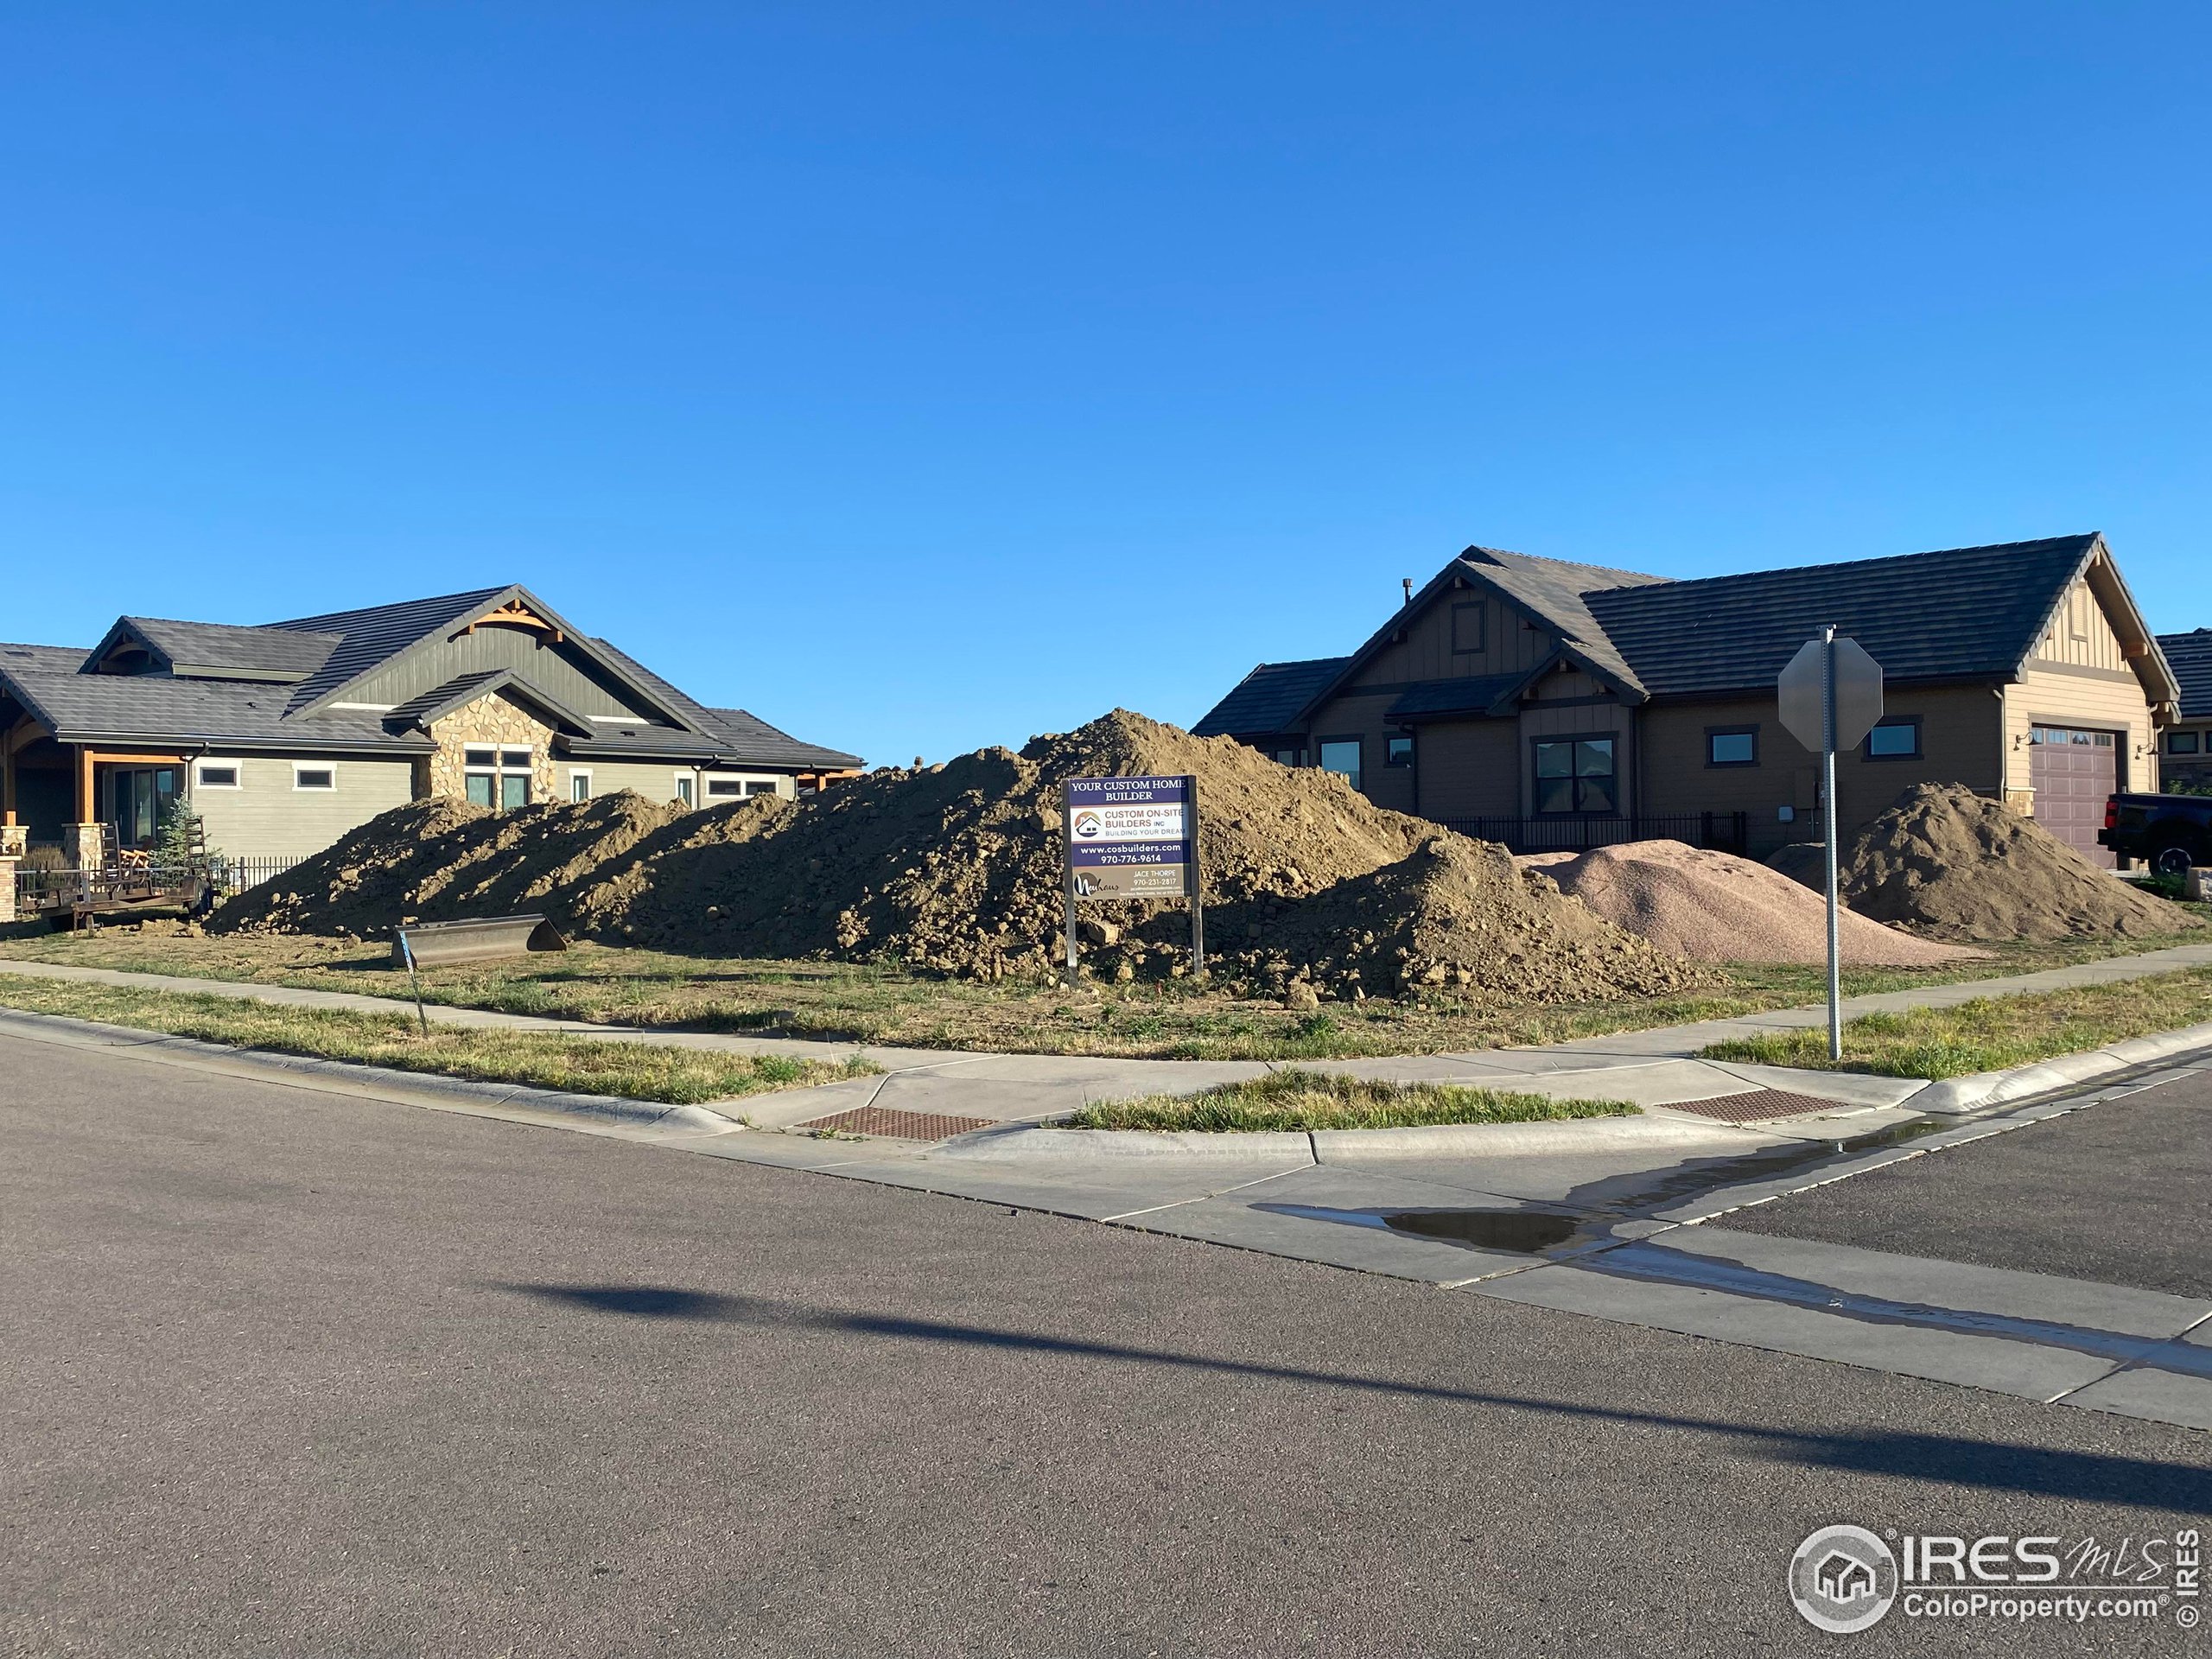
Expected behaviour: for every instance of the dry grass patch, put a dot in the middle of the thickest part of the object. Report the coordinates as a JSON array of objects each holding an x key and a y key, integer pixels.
[
  {"x": 1990, "y": 1034},
  {"x": 636, "y": 1070},
  {"x": 1298, "y": 1100}
]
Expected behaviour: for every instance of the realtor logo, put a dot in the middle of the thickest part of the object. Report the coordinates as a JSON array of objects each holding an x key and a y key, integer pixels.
[{"x": 1843, "y": 1579}]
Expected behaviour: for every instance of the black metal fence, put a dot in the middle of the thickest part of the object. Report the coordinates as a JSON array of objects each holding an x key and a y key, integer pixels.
[
  {"x": 1725, "y": 832},
  {"x": 46, "y": 889}
]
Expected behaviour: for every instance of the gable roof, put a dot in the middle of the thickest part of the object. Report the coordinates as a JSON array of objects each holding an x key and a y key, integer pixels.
[
  {"x": 440, "y": 701},
  {"x": 2190, "y": 656},
  {"x": 1269, "y": 698},
  {"x": 1959, "y": 614},
  {"x": 268, "y": 653},
  {"x": 372, "y": 636},
  {"x": 1557, "y": 593},
  {"x": 157, "y": 709}
]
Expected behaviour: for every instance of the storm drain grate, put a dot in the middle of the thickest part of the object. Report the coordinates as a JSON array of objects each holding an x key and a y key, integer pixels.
[
  {"x": 1755, "y": 1107},
  {"x": 903, "y": 1126}
]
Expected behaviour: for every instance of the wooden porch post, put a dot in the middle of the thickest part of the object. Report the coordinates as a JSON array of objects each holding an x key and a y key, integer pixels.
[
  {"x": 6, "y": 780},
  {"x": 85, "y": 803}
]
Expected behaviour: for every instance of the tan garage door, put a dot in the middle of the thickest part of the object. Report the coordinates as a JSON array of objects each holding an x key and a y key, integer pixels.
[{"x": 2073, "y": 772}]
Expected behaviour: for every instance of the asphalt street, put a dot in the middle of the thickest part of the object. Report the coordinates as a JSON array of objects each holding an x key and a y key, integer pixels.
[
  {"x": 287, "y": 1373},
  {"x": 2121, "y": 1194}
]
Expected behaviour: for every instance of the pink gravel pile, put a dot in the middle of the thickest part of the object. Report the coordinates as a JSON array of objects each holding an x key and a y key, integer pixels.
[{"x": 1715, "y": 907}]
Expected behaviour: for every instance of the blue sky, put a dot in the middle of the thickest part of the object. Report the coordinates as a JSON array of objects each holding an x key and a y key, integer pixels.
[{"x": 922, "y": 377}]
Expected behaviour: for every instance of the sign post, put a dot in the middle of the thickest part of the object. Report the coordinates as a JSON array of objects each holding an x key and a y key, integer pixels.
[
  {"x": 1831, "y": 695},
  {"x": 1133, "y": 838}
]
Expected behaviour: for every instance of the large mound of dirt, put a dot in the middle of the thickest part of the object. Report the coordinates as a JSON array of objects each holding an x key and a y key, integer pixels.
[
  {"x": 1712, "y": 906},
  {"x": 957, "y": 869},
  {"x": 441, "y": 861},
  {"x": 1457, "y": 915},
  {"x": 1951, "y": 864}
]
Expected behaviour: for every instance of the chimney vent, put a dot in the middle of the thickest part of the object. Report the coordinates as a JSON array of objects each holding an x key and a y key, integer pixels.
[{"x": 1407, "y": 582}]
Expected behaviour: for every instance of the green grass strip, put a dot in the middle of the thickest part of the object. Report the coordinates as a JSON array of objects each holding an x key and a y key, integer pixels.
[
  {"x": 540, "y": 1060},
  {"x": 1990, "y": 1034},
  {"x": 1296, "y": 1100}
]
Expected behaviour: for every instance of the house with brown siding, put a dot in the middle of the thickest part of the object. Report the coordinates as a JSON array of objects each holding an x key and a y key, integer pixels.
[
  {"x": 2189, "y": 739},
  {"x": 1555, "y": 705},
  {"x": 285, "y": 736}
]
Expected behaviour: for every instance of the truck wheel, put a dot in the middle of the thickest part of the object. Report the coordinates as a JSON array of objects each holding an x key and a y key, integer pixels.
[{"x": 2171, "y": 860}]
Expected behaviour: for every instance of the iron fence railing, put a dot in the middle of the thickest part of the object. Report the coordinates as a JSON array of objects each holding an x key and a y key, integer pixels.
[
  {"x": 222, "y": 878},
  {"x": 1726, "y": 832}
]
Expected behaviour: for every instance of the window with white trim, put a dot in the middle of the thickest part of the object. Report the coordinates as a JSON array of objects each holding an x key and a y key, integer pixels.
[
  {"x": 579, "y": 786},
  {"x": 724, "y": 789},
  {"x": 313, "y": 775},
  {"x": 683, "y": 787},
  {"x": 212, "y": 774},
  {"x": 498, "y": 777}
]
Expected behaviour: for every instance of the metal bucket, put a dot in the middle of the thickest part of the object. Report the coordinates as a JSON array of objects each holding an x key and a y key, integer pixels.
[{"x": 435, "y": 944}]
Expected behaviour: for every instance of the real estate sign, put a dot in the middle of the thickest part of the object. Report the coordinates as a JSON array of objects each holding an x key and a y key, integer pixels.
[{"x": 1132, "y": 837}]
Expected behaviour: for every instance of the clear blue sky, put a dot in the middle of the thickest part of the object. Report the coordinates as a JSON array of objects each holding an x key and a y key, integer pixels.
[{"x": 926, "y": 377}]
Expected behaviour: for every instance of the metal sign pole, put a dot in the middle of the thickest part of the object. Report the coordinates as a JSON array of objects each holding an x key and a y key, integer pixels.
[
  {"x": 1196, "y": 879},
  {"x": 1067, "y": 872},
  {"x": 1828, "y": 798},
  {"x": 407, "y": 952}
]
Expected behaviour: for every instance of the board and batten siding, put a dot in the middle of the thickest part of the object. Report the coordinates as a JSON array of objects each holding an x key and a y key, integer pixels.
[
  {"x": 1512, "y": 643},
  {"x": 561, "y": 671},
  {"x": 2079, "y": 677},
  {"x": 266, "y": 818},
  {"x": 1570, "y": 703},
  {"x": 1469, "y": 769}
]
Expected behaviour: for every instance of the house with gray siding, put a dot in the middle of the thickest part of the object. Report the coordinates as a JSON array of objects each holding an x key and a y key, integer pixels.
[
  {"x": 285, "y": 736},
  {"x": 2188, "y": 739}
]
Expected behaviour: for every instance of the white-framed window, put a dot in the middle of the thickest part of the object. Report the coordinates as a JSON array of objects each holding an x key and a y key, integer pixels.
[
  {"x": 321, "y": 776},
  {"x": 498, "y": 777},
  {"x": 724, "y": 789},
  {"x": 759, "y": 786},
  {"x": 579, "y": 784},
  {"x": 217, "y": 774},
  {"x": 683, "y": 787}
]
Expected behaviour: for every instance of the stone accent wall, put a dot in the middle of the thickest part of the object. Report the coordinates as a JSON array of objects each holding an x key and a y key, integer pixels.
[{"x": 490, "y": 721}]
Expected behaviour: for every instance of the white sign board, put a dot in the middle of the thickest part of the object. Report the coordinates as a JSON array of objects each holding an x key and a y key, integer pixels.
[{"x": 1857, "y": 694}]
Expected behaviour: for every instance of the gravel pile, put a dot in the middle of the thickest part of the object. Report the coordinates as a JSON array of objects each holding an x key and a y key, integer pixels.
[
  {"x": 1714, "y": 906},
  {"x": 1951, "y": 864}
]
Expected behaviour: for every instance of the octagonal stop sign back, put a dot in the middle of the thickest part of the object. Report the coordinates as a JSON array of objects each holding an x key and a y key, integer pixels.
[{"x": 1857, "y": 694}]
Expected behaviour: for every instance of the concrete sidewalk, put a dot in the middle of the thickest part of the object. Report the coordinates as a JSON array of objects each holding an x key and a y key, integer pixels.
[{"x": 1654, "y": 1069}]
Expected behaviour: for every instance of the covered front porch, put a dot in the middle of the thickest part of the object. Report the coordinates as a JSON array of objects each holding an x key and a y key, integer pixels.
[{"x": 82, "y": 798}]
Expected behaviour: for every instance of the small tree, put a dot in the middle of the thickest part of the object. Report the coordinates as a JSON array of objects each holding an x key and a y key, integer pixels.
[{"x": 178, "y": 840}]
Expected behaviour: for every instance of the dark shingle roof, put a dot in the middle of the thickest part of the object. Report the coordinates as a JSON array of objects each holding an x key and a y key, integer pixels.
[
  {"x": 1558, "y": 592},
  {"x": 283, "y": 651},
  {"x": 1472, "y": 695},
  {"x": 158, "y": 709},
  {"x": 736, "y": 734},
  {"x": 368, "y": 637},
  {"x": 2190, "y": 656},
  {"x": 755, "y": 742},
  {"x": 1269, "y": 698},
  {"x": 1962, "y": 613}
]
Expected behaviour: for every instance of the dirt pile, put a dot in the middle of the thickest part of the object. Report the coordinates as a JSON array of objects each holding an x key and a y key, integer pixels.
[
  {"x": 1714, "y": 906},
  {"x": 440, "y": 860},
  {"x": 1951, "y": 864},
  {"x": 957, "y": 869},
  {"x": 1458, "y": 916}
]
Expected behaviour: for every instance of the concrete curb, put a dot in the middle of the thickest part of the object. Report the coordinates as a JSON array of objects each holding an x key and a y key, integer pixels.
[
  {"x": 1970, "y": 1093},
  {"x": 372, "y": 1082},
  {"x": 1021, "y": 1144}
]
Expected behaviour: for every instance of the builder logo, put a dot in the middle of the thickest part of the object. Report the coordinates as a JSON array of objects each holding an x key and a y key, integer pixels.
[
  {"x": 1087, "y": 825},
  {"x": 1843, "y": 1579}
]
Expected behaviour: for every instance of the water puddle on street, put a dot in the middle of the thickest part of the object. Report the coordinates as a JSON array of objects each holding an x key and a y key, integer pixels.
[{"x": 1525, "y": 1232}]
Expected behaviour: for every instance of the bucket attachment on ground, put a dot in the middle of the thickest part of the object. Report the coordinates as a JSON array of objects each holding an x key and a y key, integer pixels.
[{"x": 435, "y": 944}]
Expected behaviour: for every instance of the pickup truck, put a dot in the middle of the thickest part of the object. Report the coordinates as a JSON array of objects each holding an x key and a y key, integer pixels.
[{"x": 2167, "y": 832}]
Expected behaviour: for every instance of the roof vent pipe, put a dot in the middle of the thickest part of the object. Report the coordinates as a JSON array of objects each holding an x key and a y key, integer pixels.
[{"x": 1407, "y": 582}]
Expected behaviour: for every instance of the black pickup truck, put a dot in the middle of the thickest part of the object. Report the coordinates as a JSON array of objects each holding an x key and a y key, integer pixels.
[{"x": 2168, "y": 832}]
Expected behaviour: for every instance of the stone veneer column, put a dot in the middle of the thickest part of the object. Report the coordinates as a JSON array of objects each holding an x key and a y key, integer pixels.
[
  {"x": 7, "y": 887},
  {"x": 83, "y": 843},
  {"x": 14, "y": 840}
]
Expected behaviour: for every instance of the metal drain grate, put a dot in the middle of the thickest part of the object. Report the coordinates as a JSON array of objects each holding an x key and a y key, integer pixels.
[
  {"x": 1756, "y": 1106},
  {"x": 901, "y": 1126}
]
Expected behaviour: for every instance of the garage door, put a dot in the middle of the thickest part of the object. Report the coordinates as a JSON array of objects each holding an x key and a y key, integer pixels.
[{"x": 2073, "y": 772}]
